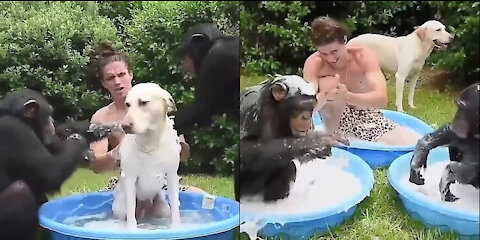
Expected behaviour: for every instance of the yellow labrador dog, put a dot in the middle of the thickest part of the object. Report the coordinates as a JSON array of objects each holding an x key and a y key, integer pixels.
[
  {"x": 149, "y": 150},
  {"x": 406, "y": 55}
]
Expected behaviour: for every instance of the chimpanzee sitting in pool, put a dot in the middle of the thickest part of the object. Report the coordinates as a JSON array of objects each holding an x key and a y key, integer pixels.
[
  {"x": 275, "y": 128},
  {"x": 462, "y": 138}
]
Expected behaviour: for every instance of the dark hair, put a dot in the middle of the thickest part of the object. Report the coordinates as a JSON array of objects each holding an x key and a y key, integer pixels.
[
  {"x": 326, "y": 30},
  {"x": 105, "y": 54}
]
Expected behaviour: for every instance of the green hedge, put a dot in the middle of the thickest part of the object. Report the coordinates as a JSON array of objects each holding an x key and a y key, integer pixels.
[
  {"x": 276, "y": 35},
  {"x": 46, "y": 46}
]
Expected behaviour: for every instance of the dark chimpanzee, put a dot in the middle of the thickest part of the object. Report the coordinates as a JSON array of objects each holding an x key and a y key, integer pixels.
[
  {"x": 462, "y": 138},
  {"x": 34, "y": 161},
  {"x": 213, "y": 59},
  {"x": 275, "y": 128}
]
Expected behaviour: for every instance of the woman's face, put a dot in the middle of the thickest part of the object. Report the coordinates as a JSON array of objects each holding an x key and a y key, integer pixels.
[{"x": 117, "y": 79}]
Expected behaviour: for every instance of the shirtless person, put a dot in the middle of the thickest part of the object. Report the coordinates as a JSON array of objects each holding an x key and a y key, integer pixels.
[
  {"x": 353, "y": 86},
  {"x": 113, "y": 69}
]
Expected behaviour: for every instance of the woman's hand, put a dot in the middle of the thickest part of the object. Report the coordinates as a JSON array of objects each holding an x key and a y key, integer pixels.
[{"x": 185, "y": 152}]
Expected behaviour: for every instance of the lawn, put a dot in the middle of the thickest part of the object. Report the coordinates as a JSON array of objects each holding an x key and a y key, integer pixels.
[
  {"x": 85, "y": 180},
  {"x": 381, "y": 215}
]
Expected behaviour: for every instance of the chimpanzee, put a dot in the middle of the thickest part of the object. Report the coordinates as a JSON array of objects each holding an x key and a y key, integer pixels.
[
  {"x": 34, "y": 161},
  {"x": 275, "y": 127},
  {"x": 462, "y": 138},
  {"x": 213, "y": 59}
]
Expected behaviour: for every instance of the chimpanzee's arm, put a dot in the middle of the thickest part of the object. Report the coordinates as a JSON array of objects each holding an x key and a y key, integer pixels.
[
  {"x": 257, "y": 155},
  {"x": 25, "y": 156},
  {"x": 443, "y": 136},
  {"x": 90, "y": 131}
]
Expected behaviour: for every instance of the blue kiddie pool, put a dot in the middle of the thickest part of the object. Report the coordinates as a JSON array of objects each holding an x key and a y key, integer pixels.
[
  {"x": 379, "y": 155},
  {"x": 434, "y": 212},
  {"x": 305, "y": 225},
  {"x": 222, "y": 214}
]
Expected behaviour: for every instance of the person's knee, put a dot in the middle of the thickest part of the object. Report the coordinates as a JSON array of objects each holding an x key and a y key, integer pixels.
[{"x": 400, "y": 136}]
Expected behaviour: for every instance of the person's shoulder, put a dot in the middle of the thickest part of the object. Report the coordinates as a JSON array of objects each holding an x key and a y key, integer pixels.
[
  {"x": 101, "y": 114},
  {"x": 314, "y": 58},
  {"x": 314, "y": 63},
  {"x": 363, "y": 56}
]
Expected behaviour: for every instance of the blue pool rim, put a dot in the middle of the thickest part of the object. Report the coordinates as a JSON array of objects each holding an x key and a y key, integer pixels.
[
  {"x": 182, "y": 233},
  {"x": 355, "y": 164},
  {"x": 381, "y": 155},
  {"x": 420, "y": 207}
]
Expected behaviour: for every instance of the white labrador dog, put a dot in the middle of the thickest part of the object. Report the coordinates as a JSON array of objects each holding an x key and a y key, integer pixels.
[
  {"x": 406, "y": 55},
  {"x": 149, "y": 150}
]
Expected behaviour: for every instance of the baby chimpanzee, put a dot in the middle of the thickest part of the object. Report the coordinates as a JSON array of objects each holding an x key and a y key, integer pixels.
[{"x": 462, "y": 138}]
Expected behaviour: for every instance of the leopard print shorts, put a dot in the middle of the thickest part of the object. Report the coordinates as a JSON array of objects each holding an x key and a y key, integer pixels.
[
  {"x": 112, "y": 182},
  {"x": 365, "y": 124}
]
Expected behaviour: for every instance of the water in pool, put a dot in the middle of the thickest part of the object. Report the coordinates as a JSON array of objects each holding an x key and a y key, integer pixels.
[
  {"x": 468, "y": 196},
  {"x": 106, "y": 221},
  {"x": 320, "y": 184}
]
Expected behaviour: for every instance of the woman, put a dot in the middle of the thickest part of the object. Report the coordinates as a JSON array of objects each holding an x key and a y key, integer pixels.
[{"x": 114, "y": 71}]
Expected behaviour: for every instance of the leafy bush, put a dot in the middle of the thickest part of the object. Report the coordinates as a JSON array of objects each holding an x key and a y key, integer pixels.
[
  {"x": 46, "y": 47},
  {"x": 276, "y": 35},
  {"x": 461, "y": 57}
]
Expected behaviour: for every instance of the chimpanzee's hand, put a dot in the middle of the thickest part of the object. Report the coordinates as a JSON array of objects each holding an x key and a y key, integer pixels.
[
  {"x": 103, "y": 130},
  {"x": 91, "y": 131},
  {"x": 321, "y": 139},
  {"x": 89, "y": 156},
  {"x": 416, "y": 164}
]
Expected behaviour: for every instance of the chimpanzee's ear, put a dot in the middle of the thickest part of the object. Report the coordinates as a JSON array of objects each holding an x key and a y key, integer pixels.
[
  {"x": 198, "y": 37},
  {"x": 279, "y": 90},
  {"x": 31, "y": 109}
]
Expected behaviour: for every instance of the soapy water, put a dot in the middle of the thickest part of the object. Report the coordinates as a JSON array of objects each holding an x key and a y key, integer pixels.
[
  {"x": 320, "y": 184},
  {"x": 106, "y": 221},
  {"x": 468, "y": 195}
]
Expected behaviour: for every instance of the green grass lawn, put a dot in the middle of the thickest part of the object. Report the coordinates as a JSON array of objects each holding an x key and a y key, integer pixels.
[
  {"x": 381, "y": 215},
  {"x": 85, "y": 180}
]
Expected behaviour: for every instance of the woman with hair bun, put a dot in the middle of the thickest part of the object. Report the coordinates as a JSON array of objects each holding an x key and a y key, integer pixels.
[{"x": 114, "y": 71}]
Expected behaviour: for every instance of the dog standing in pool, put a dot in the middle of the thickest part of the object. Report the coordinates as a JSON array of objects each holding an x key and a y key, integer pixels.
[{"x": 149, "y": 150}]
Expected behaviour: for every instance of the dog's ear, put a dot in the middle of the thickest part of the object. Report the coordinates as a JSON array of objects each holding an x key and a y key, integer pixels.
[
  {"x": 171, "y": 106},
  {"x": 421, "y": 32}
]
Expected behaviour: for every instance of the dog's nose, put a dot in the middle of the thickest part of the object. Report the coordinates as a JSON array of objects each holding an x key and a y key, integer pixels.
[{"x": 127, "y": 127}]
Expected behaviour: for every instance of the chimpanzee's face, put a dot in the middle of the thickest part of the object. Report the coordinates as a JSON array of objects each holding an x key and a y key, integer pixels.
[
  {"x": 31, "y": 107},
  {"x": 297, "y": 98}
]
